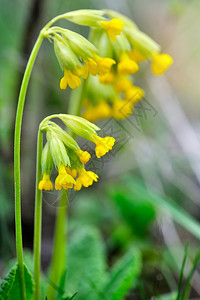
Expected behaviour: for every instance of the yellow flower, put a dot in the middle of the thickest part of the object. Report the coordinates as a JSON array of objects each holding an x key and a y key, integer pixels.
[
  {"x": 71, "y": 172},
  {"x": 160, "y": 63},
  {"x": 96, "y": 65},
  {"x": 108, "y": 78},
  {"x": 136, "y": 55},
  {"x": 122, "y": 84},
  {"x": 127, "y": 66},
  {"x": 113, "y": 27},
  {"x": 84, "y": 156},
  {"x": 45, "y": 183},
  {"x": 134, "y": 94},
  {"x": 103, "y": 64},
  {"x": 100, "y": 111},
  {"x": 122, "y": 109},
  {"x": 103, "y": 145},
  {"x": 85, "y": 178},
  {"x": 70, "y": 79},
  {"x": 63, "y": 179}
]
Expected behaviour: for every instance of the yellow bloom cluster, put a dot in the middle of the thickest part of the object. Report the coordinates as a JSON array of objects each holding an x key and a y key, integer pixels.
[
  {"x": 62, "y": 150},
  {"x": 115, "y": 94}
]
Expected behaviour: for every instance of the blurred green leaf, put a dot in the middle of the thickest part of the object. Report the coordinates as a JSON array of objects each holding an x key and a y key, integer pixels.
[
  {"x": 163, "y": 205},
  {"x": 86, "y": 257},
  {"x": 138, "y": 213},
  {"x": 123, "y": 275},
  {"x": 171, "y": 296}
]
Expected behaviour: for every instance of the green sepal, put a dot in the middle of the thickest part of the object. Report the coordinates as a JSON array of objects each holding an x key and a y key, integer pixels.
[
  {"x": 58, "y": 150},
  {"x": 88, "y": 17},
  {"x": 142, "y": 42},
  {"x": 80, "y": 126},
  {"x": 80, "y": 45},
  {"x": 65, "y": 137},
  {"x": 65, "y": 55},
  {"x": 46, "y": 160}
]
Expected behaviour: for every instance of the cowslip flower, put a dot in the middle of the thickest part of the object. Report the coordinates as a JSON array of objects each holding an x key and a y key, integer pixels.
[
  {"x": 63, "y": 179},
  {"x": 85, "y": 178},
  {"x": 68, "y": 158},
  {"x": 103, "y": 145},
  {"x": 160, "y": 63},
  {"x": 45, "y": 183},
  {"x": 127, "y": 66},
  {"x": 113, "y": 28}
]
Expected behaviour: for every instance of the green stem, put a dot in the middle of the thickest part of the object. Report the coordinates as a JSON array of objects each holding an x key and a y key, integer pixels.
[
  {"x": 58, "y": 264},
  {"x": 18, "y": 125},
  {"x": 38, "y": 217},
  {"x": 60, "y": 244}
]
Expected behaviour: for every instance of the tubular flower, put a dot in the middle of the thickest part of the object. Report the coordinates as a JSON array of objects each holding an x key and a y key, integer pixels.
[
  {"x": 84, "y": 156},
  {"x": 134, "y": 94},
  {"x": 122, "y": 84},
  {"x": 127, "y": 66},
  {"x": 96, "y": 65},
  {"x": 136, "y": 55},
  {"x": 113, "y": 28},
  {"x": 103, "y": 145},
  {"x": 63, "y": 179},
  {"x": 160, "y": 63},
  {"x": 100, "y": 111},
  {"x": 70, "y": 79},
  {"x": 108, "y": 78},
  {"x": 85, "y": 178},
  {"x": 122, "y": 109},
  {"x": 71, "y": 172},
  {"x": 103, "y": 64},
  {"x": 45, "y": 183}
]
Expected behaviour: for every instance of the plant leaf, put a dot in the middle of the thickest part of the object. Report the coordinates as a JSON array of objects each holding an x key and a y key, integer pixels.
[
  {"x": 86, "y": 257},
  {"x": 123, "y": 275},
  {"x": 7, "y": 283}
]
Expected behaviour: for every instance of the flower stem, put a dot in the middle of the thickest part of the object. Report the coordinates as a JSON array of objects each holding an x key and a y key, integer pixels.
[
  {"x": 58, "y": 263},
  {"x": 38, "y": 217},
  {"x": 59, "y": 258},
  {"x": 18, "y": 124}
]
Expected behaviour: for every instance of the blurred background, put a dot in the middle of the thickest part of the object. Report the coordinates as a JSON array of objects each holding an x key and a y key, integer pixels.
[{"x": 148, "y": 194}]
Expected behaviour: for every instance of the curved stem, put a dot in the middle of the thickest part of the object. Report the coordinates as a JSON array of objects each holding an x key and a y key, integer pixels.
[
  {"x": 38, "y": 217},
  {"x": 58, "y": 265},
  {"x": 18, "y": 124}
]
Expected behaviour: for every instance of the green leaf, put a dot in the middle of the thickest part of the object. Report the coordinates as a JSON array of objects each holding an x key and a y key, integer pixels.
[
  {"x": 7, "y": 283},
  {"x": 10, "y": 286},
  {"x": 86, "y": 257},
  {"x": 123, "y": 275},
  {"x": 163, "y": 204},
  {"x": 138, "y": 214}
]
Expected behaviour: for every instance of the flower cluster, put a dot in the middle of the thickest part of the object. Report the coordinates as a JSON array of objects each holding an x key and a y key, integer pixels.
[
  {"x": 77, "y": 56},
  {"x": 64, "y": 152},
  {"x": 116, "y": 94}
]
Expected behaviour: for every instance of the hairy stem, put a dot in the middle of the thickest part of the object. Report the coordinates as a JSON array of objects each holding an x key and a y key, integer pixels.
[{"x": 38, "y": 217}]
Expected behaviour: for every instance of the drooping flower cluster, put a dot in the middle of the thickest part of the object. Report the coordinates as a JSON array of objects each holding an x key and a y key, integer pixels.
[
  {"x": 64, "y": 152},
  {"x": 77, "y": 56},
  {"x": 108, "y": 60},
  {"x": 116, "y": 94}
]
